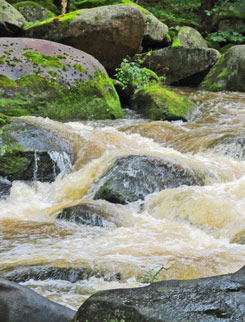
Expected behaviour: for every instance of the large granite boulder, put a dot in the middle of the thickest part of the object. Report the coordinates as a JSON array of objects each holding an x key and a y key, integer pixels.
[
  {"x": 228, "y": 73},
  {"x": 154, "y": 31},
  {"x": 11, "y": 20},
  {"x": 181, "y": 65},
  {"x": 133, "y": 177},
  {"x": 211, "y": 299},
  {"x": 43, "y": 78},
  {"x": 189, "y": 37},
  {"x": 20, "y": 304},
  {"x": 109, "y": 33},
  {"x": 33, "y": 12},
  {"x": 158, "y": 103},
  {"x": 28, "y": 152},
  {"x": 48, "y": 4}
]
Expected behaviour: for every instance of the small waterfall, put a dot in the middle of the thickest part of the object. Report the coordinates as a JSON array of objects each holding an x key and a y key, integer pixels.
[
  {"x": 35, "y": 169},
  {"x": 61, "y": 162}
]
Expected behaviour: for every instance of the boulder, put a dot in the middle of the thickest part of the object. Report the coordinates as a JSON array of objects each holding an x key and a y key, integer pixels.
[
  {"x": 154, "y": 31},
  {"x": 33, "y": 12},
  {"x": 181, "y": 65},
  {"x": 41, "y": 273},
  {"x": 48, "y": 4},
  {"x": 43, "y": 78},
  {"x": 5, "y": 186},
  {"x": 11, "y": 20},
  {"x": 158, "y": 103},
  {"x": 20, "y": 304},
  {"x": 133, "y": 177},
  {"x": 210, "y": 299},
  {"x": 28, "y": 152},
  {"x": 228, "y": 73},
  {"x": 86, "y": 214},
  {"x": 189, "y": 37},
  {"x": 109, "y": 33}
]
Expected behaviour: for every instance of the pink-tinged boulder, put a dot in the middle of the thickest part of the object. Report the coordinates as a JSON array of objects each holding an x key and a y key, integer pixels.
[{"x": 109, "y": 33}]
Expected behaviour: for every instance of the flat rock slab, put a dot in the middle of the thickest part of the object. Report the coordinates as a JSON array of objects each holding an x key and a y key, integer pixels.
[{"x": 212, "y": 299}]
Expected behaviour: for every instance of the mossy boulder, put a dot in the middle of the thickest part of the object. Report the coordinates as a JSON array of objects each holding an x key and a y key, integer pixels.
[
  {"x": 189, "y": 37},
  {"x": 209, "y": 299},
  {"x": 158, "y": 103},
  {"x": 228, "y": 73},
  {"x": 133, "y": 177},
  {"x": 43, "y": 78},
  {"x": 28, "y": 152},
  {"x": 11, "y": 20},
  {"x": 181, "y": 65},
  {"x": 154, "y": 32},
  {"x": 48, "y": 4},
  {"x": 33, "y": 12},
  {"x": 109, "y": 33}
]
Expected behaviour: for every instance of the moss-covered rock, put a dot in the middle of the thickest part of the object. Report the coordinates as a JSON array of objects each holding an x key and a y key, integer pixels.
[
  {"x": 33, "y": 12},
  {"x": 228, "y": 73},
  {"x": 109, "y": 33},
  {"x": 48, "y": 4},
  {"x": 11, "y": 20},
  {"x": 189, "y": 37},
  {"x": 158, "y": 103},
  {"x": 42, "y": 78},
  {"x": 133, "y": 177},
  {"x": 28, "y": 152},
  {"x": 181, "y": 65}
]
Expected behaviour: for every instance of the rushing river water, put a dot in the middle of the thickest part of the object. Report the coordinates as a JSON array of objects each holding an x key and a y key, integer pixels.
[{"x": 192, "y": 231}]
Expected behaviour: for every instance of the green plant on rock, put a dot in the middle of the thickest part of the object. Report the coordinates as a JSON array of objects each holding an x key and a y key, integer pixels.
[
  {"x": 152, "y": 275},
  {"x": 131, "y": 75}
]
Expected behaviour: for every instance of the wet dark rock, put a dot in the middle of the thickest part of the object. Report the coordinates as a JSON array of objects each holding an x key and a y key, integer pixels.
[
  {"x": 232, "y": 146},
  {"x": 29, "y": 152},
  {"x": 133, "y": 177},
  {"x": 20, "y": 304},
  {"x": 23, "y": 274},
  {"x": 5, "y": 186},
  {"x": 85, "y": 214},
  {"x": 211, "y": 299}
]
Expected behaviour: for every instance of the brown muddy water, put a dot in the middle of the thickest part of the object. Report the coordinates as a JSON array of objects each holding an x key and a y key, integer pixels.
[{"x": 192, "y": 231}]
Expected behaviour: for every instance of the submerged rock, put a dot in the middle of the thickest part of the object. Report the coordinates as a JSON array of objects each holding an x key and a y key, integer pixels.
[
  {"x": 189, "y": 37},
  {"x": 86, "y": 214},
  {"x": 133, "y": 177},
  {"x": 5, "y": 186},
  {"x": 28, "y": 152},
  {"x": 20, "y": 304},
  {"x": 181, "y": 65},
  {"x": 228, "y": 73},
  {"x": 33, "y": 12},
  {"x": 43, "y": 78},
  {"x": 41, "y": 273},
  {"x": 158, "y": 103},
  {"x": 218, "y": 298},
  {"x": 109, "y": 33},
  {"x": 232, "y": 146},
  {"x": 11, "y": 20}
]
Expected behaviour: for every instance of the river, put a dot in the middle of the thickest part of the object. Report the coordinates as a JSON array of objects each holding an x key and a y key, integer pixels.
[{"x": 192, "y": 231}]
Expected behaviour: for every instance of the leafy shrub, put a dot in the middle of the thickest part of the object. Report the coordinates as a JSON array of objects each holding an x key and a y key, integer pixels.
[
  {"x": 152, "y": 275},
  {"x": 226, "y": 36}
]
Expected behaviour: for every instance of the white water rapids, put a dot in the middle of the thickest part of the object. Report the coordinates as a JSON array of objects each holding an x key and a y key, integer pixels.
[{"x": 193, "y": 231}]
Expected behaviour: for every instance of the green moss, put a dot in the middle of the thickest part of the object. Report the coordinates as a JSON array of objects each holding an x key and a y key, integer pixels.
[
  {"x": 43, "y": 60},
  {"x": 80, "y": 68},
  {"x": 6, "y": 82},
  {"x": 217, "y": 73},
  {"x": 35, "y": 5},
  {"x": 4, "y": 119},
  {"x": 52, "y": 73},
  {"x": 158, "y": 103},
  {"x": 2, "y": 60},
  {"x": 223, "y": 73},
  {"x": 176, "y": 42},
  {"x": 38, "y": 96}
]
